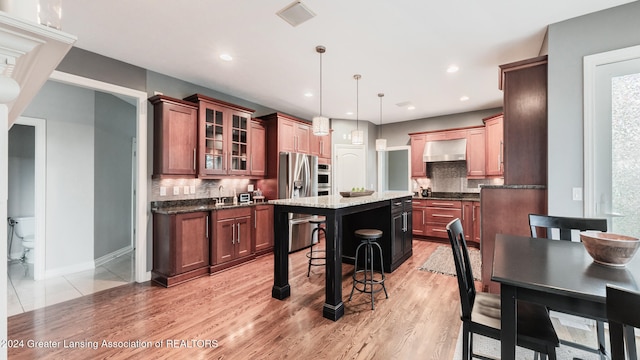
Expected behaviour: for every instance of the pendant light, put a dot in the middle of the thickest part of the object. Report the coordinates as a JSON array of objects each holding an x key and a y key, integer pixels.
[
  {"x": 357, "y": 135},
  {"x": 320, "y": 123},
  {"x": 381, "y": 143}
]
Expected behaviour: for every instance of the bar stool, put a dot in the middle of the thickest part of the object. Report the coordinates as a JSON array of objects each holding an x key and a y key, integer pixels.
[
  {"x": 368, "y": 240},
  {"x": 318, "y": 257}
]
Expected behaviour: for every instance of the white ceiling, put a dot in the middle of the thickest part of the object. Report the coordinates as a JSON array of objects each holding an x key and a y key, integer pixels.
[{"x": 401, "y": 47}]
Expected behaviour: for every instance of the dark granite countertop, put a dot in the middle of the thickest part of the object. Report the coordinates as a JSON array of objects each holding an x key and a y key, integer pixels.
[
  {"x": 450, "y": 196},
  {"x": 186, "y": 206},
  {"x": 541, "y": 187}
]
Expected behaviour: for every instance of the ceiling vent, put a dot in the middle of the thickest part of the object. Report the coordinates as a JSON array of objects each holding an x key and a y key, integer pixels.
[{"x": 296, "y": 13}]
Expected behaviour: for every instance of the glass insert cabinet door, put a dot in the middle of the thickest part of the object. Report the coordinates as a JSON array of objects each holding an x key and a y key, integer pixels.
[
  {"x": 214, "y": 153},
  {"x": 239, "y": 142}
]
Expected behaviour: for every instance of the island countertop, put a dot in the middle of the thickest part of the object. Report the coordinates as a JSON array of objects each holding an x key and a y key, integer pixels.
[{"x": 337, "y": 201}]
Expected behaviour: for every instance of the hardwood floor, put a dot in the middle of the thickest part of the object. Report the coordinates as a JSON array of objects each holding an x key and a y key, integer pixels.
[{"x": 231, "y": 315}]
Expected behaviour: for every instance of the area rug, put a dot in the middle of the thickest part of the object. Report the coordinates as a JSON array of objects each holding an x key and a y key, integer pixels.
[
  {"x": 491, "y": 348},
  {"x": 441, "y": 261}
]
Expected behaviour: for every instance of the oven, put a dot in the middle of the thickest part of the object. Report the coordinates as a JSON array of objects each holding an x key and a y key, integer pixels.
[{"x": 324, "y": 179}]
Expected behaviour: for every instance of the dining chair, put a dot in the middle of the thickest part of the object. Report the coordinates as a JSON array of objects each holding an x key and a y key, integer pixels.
[
  {"x": 623, "y": 310},
  {"x": 544, "y": 226},
  {"x": 481, "y": 311}
]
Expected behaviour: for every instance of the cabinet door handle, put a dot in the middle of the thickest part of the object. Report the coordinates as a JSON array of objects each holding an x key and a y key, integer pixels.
[
  {"x": 233, "y": 234},
  {"x": 439, "y": 215},
  {"x": 251, "y": 163},
  {"x": 442, "y": 204},
  {"x": 238, "y": 233},
  {"x": 423, "y": 217},
  {"x": 207, "y": 224},
  {"x": 397, "y": 203},
  {"x": 255, "y": 219},
  {"x": 194, "y": 158}
]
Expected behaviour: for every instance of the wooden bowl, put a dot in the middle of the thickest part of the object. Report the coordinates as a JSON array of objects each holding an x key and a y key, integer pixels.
[{"x": 609, "y": 249}]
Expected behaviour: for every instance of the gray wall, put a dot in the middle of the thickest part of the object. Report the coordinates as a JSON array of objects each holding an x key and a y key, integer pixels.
[
  {"x": 569, "y": 42},
  {"x": 69, "y": 113},
  {"x": 115, "y": 126},
  {"x": 21, "y": 171}
]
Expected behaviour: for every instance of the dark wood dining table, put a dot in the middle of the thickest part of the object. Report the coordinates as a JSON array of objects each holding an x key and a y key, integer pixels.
[{"x": 558, "y": 274}]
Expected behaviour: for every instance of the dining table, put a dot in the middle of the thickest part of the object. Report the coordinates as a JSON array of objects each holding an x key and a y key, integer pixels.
[{"x": 558, "y": 274}]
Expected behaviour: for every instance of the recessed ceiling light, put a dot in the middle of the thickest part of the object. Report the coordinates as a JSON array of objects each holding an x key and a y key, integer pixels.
[
  {"x": 411, "y": 107},
  {"x": 226, "y": 57},
  {"x": 308, "y": 94},
  {"x": 453, "y": 68},
  {"x": 464, "y": 98},
  {"x": 349, "y": 112}
]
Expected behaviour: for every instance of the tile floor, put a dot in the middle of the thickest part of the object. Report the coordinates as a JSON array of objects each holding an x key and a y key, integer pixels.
[{"x": 24, "y": 294}]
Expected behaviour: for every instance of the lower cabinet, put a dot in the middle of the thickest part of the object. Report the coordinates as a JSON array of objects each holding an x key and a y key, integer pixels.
[
  {"x": 232, "y": 235},
  {"x": 263, "y": 228},
  {"x": 419, "y": 217},
  {"x": 430, "y": 218},
  {"x": 439, "y": 214},
  {"x": 193, "y": 244},
  {"x": 180, "y": 247},
  {"x": 401, "y": 230}
]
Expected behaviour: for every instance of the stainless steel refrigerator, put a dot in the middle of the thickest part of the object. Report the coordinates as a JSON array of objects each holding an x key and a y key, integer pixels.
[{"x": 298, "y": 177}]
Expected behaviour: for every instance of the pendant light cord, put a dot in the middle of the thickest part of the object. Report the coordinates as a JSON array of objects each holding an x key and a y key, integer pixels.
[
  {"x": 321, "y": 84},
  {"x": 357, "y": 100}
]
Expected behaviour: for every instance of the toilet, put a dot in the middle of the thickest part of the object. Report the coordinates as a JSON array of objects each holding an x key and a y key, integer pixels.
[{"x": 25, "y": 229}]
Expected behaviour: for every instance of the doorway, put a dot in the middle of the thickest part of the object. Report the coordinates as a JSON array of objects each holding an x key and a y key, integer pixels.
[
  {"x": 349, "y": 168},
  {"x": 612, "y": 109},
  {"x": 394, "y": 169}
]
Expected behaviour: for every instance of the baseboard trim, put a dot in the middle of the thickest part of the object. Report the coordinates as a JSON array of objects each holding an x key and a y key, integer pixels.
[
  {"x": 106, "y": 258},
  {"x": 61, "y": 271}
]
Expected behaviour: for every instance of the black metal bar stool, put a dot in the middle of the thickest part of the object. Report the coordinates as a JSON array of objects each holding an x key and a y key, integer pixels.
[
  {"x": 370, "y": 277},
  {"x": 318, "y": 257}
]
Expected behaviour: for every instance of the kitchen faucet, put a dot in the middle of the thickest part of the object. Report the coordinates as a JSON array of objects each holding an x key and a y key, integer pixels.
[{"x": 220, "y": 198}]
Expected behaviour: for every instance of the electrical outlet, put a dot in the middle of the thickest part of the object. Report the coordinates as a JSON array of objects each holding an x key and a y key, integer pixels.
[
  {"x": 186, "y": 189},
  {"x": 192, "y": 189},
  {"x": 176, "y": 190},
  {"x": 163, "y": 191},
  {"x": 577, "y": 194}
]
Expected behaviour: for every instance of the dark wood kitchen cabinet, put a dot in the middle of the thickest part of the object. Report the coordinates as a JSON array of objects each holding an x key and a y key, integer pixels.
[
  {"x": 258, "y": 158},
  {"x": 401, "y": 230},
  {"x": 471, "y": 221},
  {"x": 224, "y": 137},
  {"x": 439, "y": 214},
  {"x": 524, "y": 84},
  {"x": 476, "y": 153},
  {"x": 419, "y": 216},
  {"x": 320, "y": 146},
  {"x": 232, "y": 235},
  {"x": 174, "y": 137},
  {"x": 494, "y": 145},
  {"x": 418, "y": 166},
  {"x": 180, "y": 247},
  {"x": 263, "y": 236}
]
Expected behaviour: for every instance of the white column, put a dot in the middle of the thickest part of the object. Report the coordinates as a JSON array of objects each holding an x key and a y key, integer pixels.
[{"x": 4, "y": 196}]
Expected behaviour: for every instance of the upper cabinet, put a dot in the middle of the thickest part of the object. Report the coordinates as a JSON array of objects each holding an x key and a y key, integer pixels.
[
  {"x": 293, "y": 136},
  {"x": 418, "y": 167},
  {"x": 320, "y": 146},
  {"x": 494, "y": 145},
  {"x": 524, "y": 84},
  {"x": 175, "y": 137},
  {"x": 476, "y": 153},
  {"x": 258, "y": 159},
  {"x": 224, "y": 137}
]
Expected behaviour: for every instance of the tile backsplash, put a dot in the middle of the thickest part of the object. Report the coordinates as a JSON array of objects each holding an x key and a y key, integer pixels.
[
  {"x": 189, "y": 189},
  {"x": 451, "y": 176}
]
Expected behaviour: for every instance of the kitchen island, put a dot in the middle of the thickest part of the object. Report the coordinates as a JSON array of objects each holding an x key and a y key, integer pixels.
[{"x": 388, "y": 211}]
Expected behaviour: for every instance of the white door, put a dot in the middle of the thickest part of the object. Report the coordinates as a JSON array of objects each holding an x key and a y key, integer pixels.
[
  {"x": 349, "y": 167},
  {"x": 612, "y": 163}
]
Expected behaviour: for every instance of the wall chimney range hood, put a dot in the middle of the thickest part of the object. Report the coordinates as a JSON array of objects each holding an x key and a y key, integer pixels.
[{"x": 445, "y": 150}]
